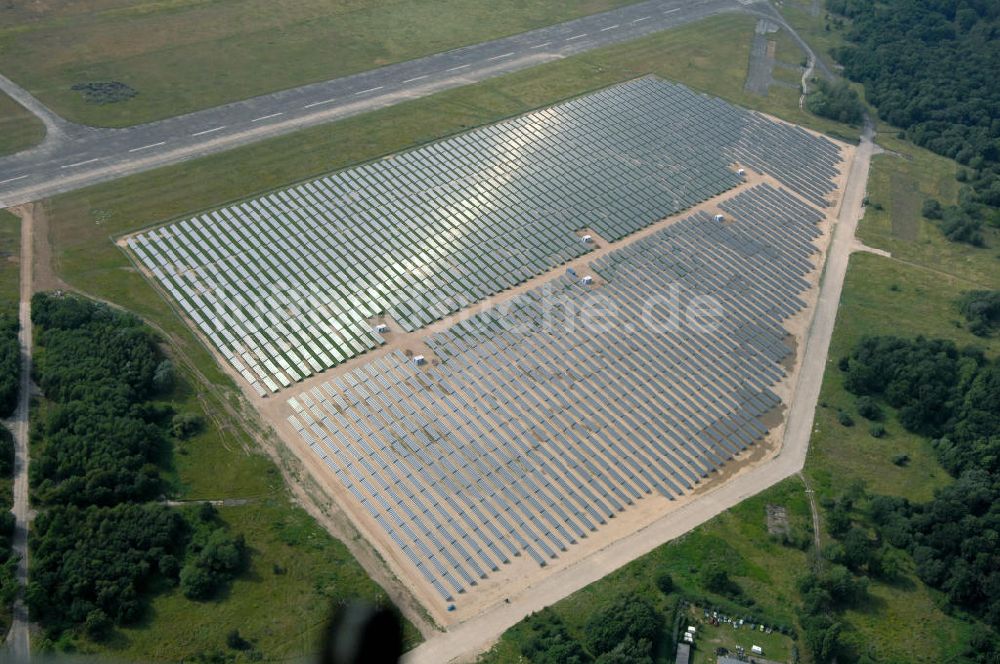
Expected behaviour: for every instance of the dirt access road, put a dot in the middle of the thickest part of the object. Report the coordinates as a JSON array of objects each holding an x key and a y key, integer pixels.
[
  {"x": 17, "y": 645},
  {"x": 464, "y": 641}
]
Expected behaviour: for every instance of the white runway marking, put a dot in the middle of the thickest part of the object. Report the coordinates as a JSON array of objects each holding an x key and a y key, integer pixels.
[
  {"x": 644, "y": 18},
  {"x": 415, "y": 78},
  {"x": 363, "y": 92},
  {"x": 576, "y": 36},
  {"x": 610, "y": 27},
  {"x": 541, "y": 45},
  {"x": 208, "y": 131},
  {"x": 671, "y": 11},
  {"x": 267, "y": 117},
  {"x": 19, "y": 177},
  {"x": 81, "y": 163},
  {"x": 146, "y": 147},
  {"x": 457, "y": 68},
  {"x": 319, "y": 103},
  {"x": 505, "y": 55}
]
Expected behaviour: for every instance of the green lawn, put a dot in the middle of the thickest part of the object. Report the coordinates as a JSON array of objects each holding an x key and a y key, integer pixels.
[
  {"x": 10, "y": 251},
  {"x": 19, "y": 129},
  {"x": 184, "y": 55}
]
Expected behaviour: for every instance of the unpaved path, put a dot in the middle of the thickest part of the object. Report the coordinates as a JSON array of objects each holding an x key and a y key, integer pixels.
[{"x": 17, "y": 645}]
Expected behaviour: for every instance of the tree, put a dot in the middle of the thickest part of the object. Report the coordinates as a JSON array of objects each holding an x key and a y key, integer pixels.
[
  {"x": 549, "y": 642},
  {"x": 869, "y": 409},
  {"x": 186, "y": 425},
  {"x": 629, "y": 617},
  {"x": 931, "y": 209},
  {"x": 10, "y": 364},
  {"x": 835, "y": 100},
  {"x": 715, "y": 578},
  {"x": 981, "y": 309},
  {"x": 218, "y": 559},
  {"x": 629, "y": 651},
  {"x": 6, "y": 452},
  {"x": 163, "y": 377}
]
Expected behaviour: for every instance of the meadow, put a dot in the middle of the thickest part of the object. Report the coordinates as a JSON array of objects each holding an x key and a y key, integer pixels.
[
  {"x": 183, "y": 55},
  {"x": 19, "y": 129}
]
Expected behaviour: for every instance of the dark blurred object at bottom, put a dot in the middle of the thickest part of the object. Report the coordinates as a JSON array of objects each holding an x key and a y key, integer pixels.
[{"x": 360, "y": 633}]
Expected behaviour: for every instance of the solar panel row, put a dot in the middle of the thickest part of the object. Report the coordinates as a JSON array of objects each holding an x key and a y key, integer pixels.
[
  {"x": 537, "y": 427},
  {"x": 284, "y": 286}
]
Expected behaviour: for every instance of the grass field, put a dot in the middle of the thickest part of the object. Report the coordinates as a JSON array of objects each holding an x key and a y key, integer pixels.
[
  {"x": 184, "y": 55},
  {"x": 10, "y": 250},
  {"x": 19, "y": 129},
  {"x": 711, "y": 56}
]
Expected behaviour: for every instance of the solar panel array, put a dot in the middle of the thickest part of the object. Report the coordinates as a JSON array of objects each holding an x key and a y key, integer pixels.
[
  {"x": 285, "y": 285},
  {"x": 535, "y": 428}
]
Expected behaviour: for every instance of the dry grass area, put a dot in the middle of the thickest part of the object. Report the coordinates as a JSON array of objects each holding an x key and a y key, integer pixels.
[
  {"x": 184, "y": 55},
  {"x": 19, "y": 129}
]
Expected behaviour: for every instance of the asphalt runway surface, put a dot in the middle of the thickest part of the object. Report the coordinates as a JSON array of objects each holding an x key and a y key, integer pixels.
[{"x": 75, "y": 156}]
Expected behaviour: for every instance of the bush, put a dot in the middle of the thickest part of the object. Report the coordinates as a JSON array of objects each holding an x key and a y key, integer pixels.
[
  {"x": 877, "y": 430},
  {"x": 219, "y": 559},
  {"x": 869, "y": 409},
  {"x": 236, "y": 641},
  {"x": 186, "y": 425},
  {"x": 981, "y": 309},
  {"x": 901, "y": 460},
  {"x": 931, "y": 209},
  {"x": 845, "y": 419},
  {"x": 629, "y": 617},
  {"x": 105, "y": 92},
  {"x": 163, "y": 377},
  {"x": 665, "y": 582},
  {"x": 98, "y": 625}
]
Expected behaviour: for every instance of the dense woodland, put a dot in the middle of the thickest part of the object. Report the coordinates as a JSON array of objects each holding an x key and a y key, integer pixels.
[
  {"x": 8, "y": 559},
  {"x": 102, "y": 545},
  {"x": 930, "y": 67},
  {"x": 627, "y": 631},
  {"x": 952, "y": 396},
  {"x": 10, "y": 367}
]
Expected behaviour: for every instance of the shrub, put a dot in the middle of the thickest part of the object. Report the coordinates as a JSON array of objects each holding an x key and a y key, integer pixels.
[
  {"x": 665, "y": 582},
  {"x": 931, "y": 209},
  {"x": 877, "y": 430},
  {"x": 186, "y": 425},
  {"x": 901, "y": 460},
  {"x": 105, "y": 92},
  {"x": 869, "y": 409},
  {"x": 845, "y": 419}
]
